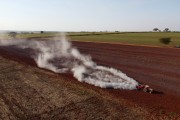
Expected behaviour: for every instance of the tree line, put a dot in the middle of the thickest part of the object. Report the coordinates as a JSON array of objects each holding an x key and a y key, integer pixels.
[{"x": 158, "y": 30}]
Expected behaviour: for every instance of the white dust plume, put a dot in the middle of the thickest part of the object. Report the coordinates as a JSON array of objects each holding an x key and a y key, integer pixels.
[{"x": 60, "y": 56}]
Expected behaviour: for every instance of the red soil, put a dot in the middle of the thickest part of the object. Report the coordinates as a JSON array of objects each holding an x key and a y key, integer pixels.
[{"x": 155, "y": 66}]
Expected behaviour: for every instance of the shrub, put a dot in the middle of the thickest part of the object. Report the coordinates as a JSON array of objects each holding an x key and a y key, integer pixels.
[{"x": 165, "y": 40}]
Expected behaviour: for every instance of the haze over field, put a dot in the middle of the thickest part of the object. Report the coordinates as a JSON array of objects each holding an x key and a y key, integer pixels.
[{"x": 89, "y": 15}]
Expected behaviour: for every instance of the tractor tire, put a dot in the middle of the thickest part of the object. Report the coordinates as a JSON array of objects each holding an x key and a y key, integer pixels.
[{"x": 145, "y": 90}]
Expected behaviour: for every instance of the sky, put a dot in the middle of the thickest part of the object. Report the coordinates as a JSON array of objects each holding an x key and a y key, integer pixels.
[{"x": 89, "y": 15}]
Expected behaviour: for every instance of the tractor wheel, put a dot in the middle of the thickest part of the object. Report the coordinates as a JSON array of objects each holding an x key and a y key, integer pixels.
[
  {"x": 145, "y": 90},
  {"x": 150, "y": 90}
]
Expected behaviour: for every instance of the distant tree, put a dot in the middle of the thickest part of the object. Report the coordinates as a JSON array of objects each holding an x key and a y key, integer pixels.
[
  {"x": 13, "y": 34},
  {"x": 166, "y": 30},
  {"x": 165, "y": 40},
  {"x": 42, "y": 32},
  {"x": 155, "y": 29}
]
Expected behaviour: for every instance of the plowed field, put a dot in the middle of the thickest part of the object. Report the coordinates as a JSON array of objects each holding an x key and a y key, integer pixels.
[{"x": 156, "y": 66}]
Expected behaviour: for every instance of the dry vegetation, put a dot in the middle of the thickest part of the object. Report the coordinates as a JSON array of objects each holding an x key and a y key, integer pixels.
[{"x": 27, "y": 92}]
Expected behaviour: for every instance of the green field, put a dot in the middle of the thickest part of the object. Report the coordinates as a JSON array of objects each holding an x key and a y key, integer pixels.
[
  {"x": 28, "y": 35},
  {"x": 145, "y": 38},
  {"x": 150, "y": 38}
]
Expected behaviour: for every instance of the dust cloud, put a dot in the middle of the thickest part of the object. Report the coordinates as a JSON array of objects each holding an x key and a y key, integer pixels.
[{"x": 59, "y": 56}]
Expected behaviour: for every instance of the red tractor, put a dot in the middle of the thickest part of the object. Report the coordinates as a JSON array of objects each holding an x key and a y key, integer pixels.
[{"x": 144, "y": 88}]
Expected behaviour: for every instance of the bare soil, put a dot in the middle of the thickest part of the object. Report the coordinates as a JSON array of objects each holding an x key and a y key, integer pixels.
[
  {"x": 27, "y": 92},
  {"x": 156, "y": 66}
]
